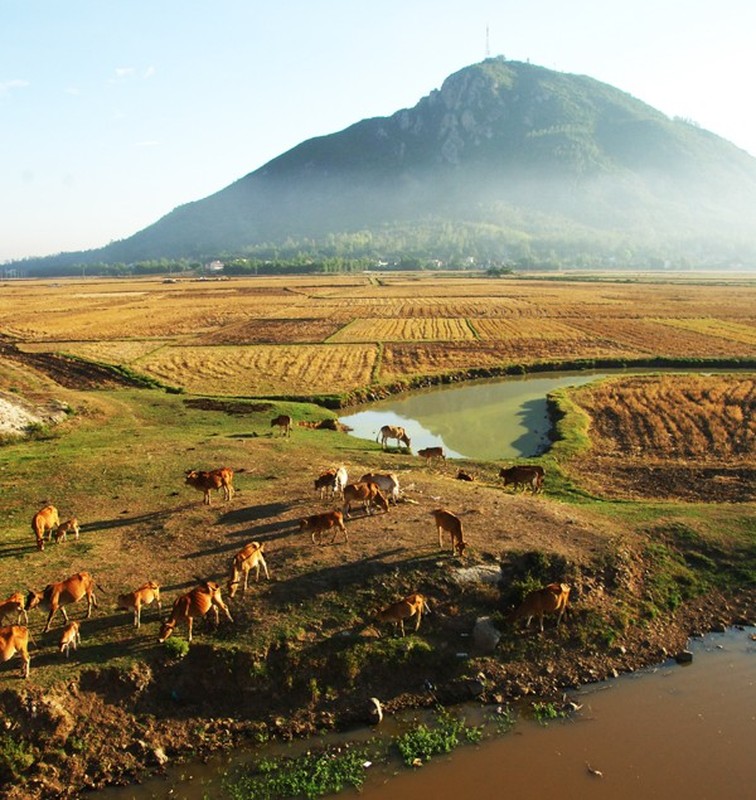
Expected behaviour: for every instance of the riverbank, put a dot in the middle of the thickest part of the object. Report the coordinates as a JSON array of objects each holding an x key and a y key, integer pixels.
[{"x": 304, "y": 653}]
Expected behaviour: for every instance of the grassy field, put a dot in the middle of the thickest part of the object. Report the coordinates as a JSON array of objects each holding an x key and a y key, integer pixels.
[{"x": 628, "y": 518}]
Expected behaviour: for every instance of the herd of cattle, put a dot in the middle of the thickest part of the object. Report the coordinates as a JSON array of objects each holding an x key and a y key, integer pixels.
[{"x": 374, "y": 491}]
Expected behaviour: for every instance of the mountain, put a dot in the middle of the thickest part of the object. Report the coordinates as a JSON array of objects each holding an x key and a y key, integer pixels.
[{"x": 506, "y": 160}]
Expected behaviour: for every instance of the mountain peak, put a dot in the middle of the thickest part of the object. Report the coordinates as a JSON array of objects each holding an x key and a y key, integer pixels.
[{"x": 522, "y": 159}]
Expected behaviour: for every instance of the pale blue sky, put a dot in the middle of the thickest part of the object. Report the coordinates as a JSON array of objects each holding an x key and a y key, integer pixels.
[{"x": 113, "y": 112}]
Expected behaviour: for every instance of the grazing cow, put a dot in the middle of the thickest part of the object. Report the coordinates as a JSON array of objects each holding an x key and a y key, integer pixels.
[
  {"x": 14, "y": 605},
  {"x": 58, "y": 595},
  {"x": 551, "y": 599},
  {"x": 44, "y": 522},
  {"x": 333, "y": 479},
  {"x": 214, "y": 479},
  {"x": 522, "y": 476},
  {"x": 429, "y": 453},
  {"x": 143, "y": 596},
  {"x": 412, "y": 605},
  {"x": 393, "y": 432},
  {"x": 284, "y": 422},
  {"x": 197, "y": 603},
  {"x": 70, "y": 637},
  {"x": 15, "y": 639},
  {"x": 247, "y": 558},
  {"x": 319, "y": 523},
  {"x": 70, "y": 525},
  {"x": 387, "y": 482},
  {"x": 367, "y": 493},
  {"x": 452, "y": 524}
]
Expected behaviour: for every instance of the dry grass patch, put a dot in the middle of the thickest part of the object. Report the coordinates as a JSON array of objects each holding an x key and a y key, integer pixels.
[
  {"x": 533, "y": 329},
  {"x": 263, "y": 370},
  {"x": 413, "y": 330},
  {"x": 682, "y": 436},
  {"x": 123, "y": 352},
  {"x": 271, "y": 331},
  {"x": 661, "y": 337},
  {"x": 689, "y": 416},
  {"x": 738, "y": 332}
]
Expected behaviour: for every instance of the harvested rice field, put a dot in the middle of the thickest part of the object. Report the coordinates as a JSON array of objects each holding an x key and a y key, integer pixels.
[{"x": 310, "y": 335}]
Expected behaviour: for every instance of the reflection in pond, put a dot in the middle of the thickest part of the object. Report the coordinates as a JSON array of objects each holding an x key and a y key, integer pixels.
[{"x": 486, "y": 420}]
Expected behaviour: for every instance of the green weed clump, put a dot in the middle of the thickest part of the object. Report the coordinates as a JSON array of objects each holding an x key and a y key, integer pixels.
[
  {"x": 311, "y": 775},
  {"x": 176, "y": 648},
  {"x": 423, "y": 742},
  {"x": 545, "y": 712},
  {"x": 15, "y": 758}
]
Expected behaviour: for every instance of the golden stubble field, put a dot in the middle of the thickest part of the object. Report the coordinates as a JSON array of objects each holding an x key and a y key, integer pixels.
[{"x": 314, "y": 335}]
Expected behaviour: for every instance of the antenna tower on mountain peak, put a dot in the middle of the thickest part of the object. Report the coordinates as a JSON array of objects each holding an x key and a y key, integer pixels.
[{"x": 488, "y": 43}]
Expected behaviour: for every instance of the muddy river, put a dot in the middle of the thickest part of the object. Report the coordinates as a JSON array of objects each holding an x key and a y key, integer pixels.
[{"x": 673, "y": 731}]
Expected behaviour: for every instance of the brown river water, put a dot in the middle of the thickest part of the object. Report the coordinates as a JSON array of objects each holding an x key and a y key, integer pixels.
[{"x": 675, "y": 731}]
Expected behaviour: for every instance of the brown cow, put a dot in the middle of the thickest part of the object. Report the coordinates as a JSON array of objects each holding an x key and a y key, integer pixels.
[
  {"x": 284, "y": 422},
  {"x": 15, "y": 639},
  {"x": 44, "y": 522},
  {"x": 214, "y": 479},
  {"x": 429, "y": 453},
  {"x": 70, "y": 637},
  {"x": 551, "y": 599},
  {"x": 70, "y": 525},
  {"x": 58, "y": 595},
  {"x": 319, "y": 523},
  {"x": 202, "y": 599},
  {"x": 522, "y": 476},
  {"x": 143, "y": 596},
  {"x": 393, "y": 432},
  {"x": 412, "y": 605},
  {"x": 387, "y": 482},
  {"x": 366, "y": 493},
  {"x": 452, "y": 524},
  {"x": 14, "y": 605},
  {"x": 248, "y": 557}
]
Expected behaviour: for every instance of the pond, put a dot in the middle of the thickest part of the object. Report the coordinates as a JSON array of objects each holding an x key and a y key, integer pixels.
[
  {"x": 669, "y": 731},
  {"x": 486, "y": 420}
]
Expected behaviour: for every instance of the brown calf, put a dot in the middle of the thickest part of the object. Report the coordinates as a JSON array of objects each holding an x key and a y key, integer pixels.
[
  {"x": 70, "y": 637},
  {"x": 319, "y": 523},
  {"x": 551, "y": 599},
  {"x": 14, "y": 605},
  {"x": 44, "y": 522},
  {"x": 58, "y": 595},
  {"x": 366, "y": 493},
  {"x": 284, "y": 422},
  {"x": 446, "y": 521},
  {"x": 214, "y": 479},
  {"x": 202, "y": 599},
  {"x": 70, "y": 525},
  {"x": 412, "y": 605},
  {"x": 248, "y": 557},
  {"x": 429, "y": 453},
  {"x": 15, "y": 639},
  {"x": 143, "y": 596}
]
